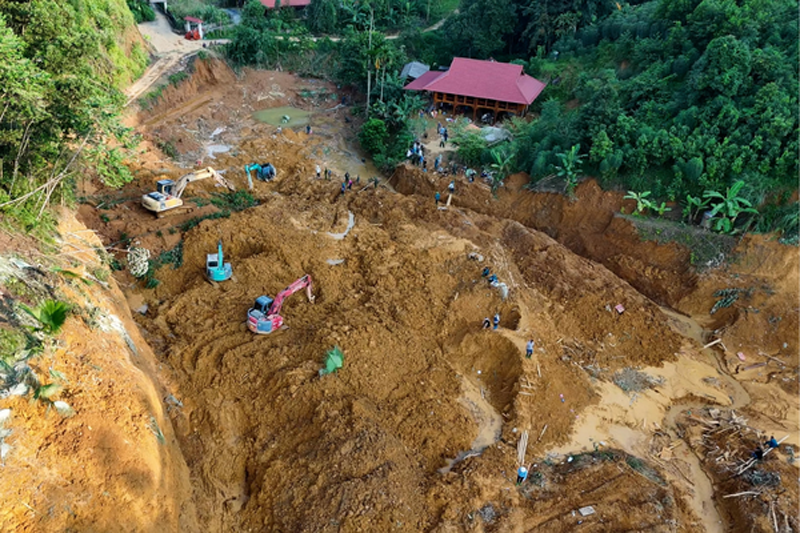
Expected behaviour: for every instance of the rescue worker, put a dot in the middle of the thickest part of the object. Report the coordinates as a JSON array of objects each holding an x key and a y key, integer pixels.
[{"x": 522, "y": 475}]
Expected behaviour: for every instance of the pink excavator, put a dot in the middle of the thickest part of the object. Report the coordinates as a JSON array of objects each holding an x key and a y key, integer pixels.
[{"x": 264, "y": 317}]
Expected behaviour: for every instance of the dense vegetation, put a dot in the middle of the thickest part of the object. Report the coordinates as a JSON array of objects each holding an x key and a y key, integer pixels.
[
  {"x": 142, "y": 10},
  {"x": 335, "y": 16},
  {"x": 61, "y": 65},
  {"x": 676, "y": 98}
]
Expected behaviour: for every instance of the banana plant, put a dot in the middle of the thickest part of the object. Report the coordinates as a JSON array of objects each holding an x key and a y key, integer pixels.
[
  {"x": 501, "y": 167},
  {"x": 642, "y": 202},
  {"x": 693, "y": 206},
  {"x": 661, "y": 209},
  {"x": 727, "y": 207},
  {"x": 570, "y": 168}
]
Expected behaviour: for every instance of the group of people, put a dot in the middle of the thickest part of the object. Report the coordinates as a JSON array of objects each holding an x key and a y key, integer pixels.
[
  {"x": 417, "y": 155},
  {"x": 759, "y": 451},
  {"x": 486, "y": 274},
  {"x": 347, "y": 182}
]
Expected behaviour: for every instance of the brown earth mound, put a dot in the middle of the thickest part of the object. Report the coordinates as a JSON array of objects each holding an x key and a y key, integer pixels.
[
  {"x": 273, "y": 446},
  {"x": 587, "y": 226}
]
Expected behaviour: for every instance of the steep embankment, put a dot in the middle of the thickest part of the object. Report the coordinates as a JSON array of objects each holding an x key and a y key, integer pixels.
[
  {"x": 115, "y": 464},
  {"x": 587, "y": 226}
]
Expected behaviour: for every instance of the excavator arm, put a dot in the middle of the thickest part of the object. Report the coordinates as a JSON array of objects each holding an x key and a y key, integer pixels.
[
  {"x": 198, "y": 175},
  {"x": 300, "y": 284}
]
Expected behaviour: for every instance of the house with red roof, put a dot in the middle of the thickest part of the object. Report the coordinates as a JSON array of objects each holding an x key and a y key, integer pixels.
[{"x": 476, "y": 87}]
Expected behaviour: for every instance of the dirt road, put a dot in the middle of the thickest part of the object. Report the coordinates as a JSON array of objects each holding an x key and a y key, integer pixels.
[{"x": 170, "y": 48}]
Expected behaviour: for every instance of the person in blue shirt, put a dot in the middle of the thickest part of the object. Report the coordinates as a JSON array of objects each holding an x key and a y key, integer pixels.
[
  {"x": 522, "y": 475},
  {"x": 772, "y": 443},
  {"x": 485, "y": 272},
  {"x": 344, "y": 188},
  {"x": 437, "y": 197},
  {"x": 496, "y": 320},
  {"x": 529, "y": 349}
]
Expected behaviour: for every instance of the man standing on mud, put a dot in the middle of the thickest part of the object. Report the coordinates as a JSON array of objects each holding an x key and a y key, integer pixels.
[
  {"x": 522, "y": 475},
  {"x": 437, "y": 197},
  {"x": 496, "y": 320},
  {"x": 319, "y": 171},
  {"x": 529, "y": 349}
]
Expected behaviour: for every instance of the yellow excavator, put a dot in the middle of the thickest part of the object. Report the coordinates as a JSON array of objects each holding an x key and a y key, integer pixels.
[{"x": 166, "y": 199}]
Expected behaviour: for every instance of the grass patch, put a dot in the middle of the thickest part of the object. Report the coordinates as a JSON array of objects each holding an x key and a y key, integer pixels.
[
  {"x": 707, "y": 249},
  {"x": 234, "y": 201},
  {"x": 150, "y": 99},
  {"x": 195, "y": 221},
  {"x": 644, "y": 469},
  {"x": 157, "y": 430},
  {"x": 172, "y": 257}
]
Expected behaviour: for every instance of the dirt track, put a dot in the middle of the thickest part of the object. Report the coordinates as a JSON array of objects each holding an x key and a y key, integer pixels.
[{"x": 272, "y": 446}]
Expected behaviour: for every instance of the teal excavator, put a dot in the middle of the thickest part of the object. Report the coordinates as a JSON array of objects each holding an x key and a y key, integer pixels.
[
  {"x": 264, "y": 172},
  {"x": 216, "y": 267}
]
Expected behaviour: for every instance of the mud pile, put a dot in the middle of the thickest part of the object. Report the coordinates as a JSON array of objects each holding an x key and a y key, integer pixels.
[
  {"x": 273, "y": 446},
  {"x": 419, "y": 430}
]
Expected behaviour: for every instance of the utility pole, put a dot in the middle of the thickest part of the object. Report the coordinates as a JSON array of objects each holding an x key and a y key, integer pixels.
[{"x": 369, "y": 66}]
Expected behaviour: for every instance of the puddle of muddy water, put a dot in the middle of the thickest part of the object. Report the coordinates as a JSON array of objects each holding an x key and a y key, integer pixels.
[
  {"x": 274, "y": 116},
  {"x": 212, "y": 149},
  {"x": 490, "y": 423}
]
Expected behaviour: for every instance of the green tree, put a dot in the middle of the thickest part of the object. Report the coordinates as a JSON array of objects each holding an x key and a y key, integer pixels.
[
  {"x": 373, "y": 136},
  {"x": 724, "y": 67},
  {"x": 323, "y": 16},
  {"x": 470, "y": 148}
]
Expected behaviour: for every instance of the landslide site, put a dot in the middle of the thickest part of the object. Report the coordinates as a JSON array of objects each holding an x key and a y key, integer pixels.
[{"x": 419, "y": 430}]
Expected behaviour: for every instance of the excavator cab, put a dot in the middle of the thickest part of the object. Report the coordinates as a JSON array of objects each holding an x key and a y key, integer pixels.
[
  {"x": 216, "y": 267},
  {"x": 258, "y": 321},
  {"x": 263, "y": 304},
  {"x": 165, "y": 187}
]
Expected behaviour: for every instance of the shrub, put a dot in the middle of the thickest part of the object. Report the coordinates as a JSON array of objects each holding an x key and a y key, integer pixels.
[{"x": 51, "y": 315}]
